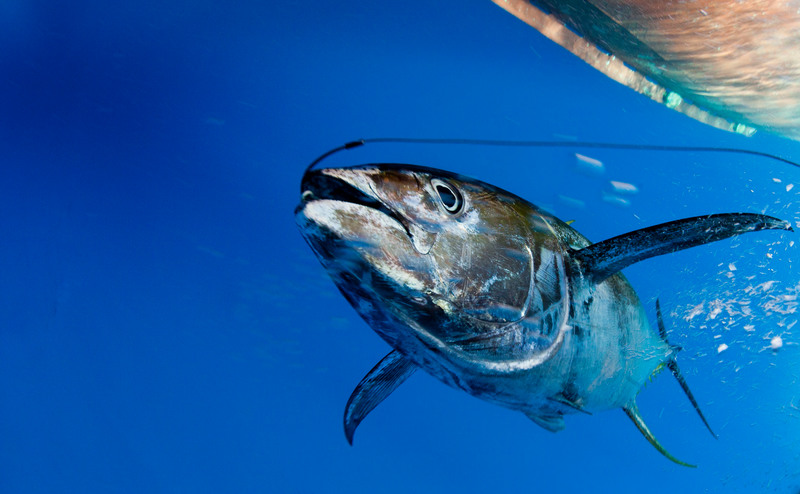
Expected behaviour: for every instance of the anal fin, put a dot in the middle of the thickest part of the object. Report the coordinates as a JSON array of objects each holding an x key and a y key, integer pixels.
[
  {"x": 379, "y": 383},
  {"x": 633, "y": 412}
]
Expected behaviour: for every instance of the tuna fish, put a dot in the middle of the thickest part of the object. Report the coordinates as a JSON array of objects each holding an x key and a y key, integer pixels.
[{"x": 492, "y": 295}]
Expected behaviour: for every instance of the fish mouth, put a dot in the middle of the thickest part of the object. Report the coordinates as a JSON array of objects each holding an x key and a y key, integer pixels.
[{"x": 323, "y": 185}]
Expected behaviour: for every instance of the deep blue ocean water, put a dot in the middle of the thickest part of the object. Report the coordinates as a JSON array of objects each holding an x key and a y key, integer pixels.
[{"x": 166, "y": 329}]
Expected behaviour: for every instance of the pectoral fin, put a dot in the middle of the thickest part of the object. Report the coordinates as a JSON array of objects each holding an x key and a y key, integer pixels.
[
  {"x": 569, "y": 404},
  {"x": 379, "y": 383},
  {"x": 553, "y": 423},
  {"x": 603, "y": 259},
  {"x": 633, "y": 412}
]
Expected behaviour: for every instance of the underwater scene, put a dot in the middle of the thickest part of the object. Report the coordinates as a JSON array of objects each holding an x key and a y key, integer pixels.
[{"x": 569, "y": 285}]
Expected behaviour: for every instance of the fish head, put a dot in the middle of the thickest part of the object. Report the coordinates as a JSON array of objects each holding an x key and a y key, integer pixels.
[{"x": 440, "y": 264}]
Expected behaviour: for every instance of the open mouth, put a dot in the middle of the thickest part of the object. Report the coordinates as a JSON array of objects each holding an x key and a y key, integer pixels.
[{"x": 319, "y": 185}]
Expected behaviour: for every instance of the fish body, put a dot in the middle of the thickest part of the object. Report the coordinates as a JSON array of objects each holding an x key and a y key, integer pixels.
[{"x": 490, "y": 294}]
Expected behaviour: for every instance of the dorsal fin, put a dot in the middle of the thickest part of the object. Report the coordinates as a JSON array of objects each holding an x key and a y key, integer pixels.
[
  {"x": 672, "y": 364},
  {"x": 633, "y": 412},
  {"x": 379, "y": 383},
  {"x": 603, "y": 259}
]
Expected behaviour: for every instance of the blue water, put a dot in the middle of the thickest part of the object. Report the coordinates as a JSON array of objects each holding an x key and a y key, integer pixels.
[{"x": 166, "y": 329}]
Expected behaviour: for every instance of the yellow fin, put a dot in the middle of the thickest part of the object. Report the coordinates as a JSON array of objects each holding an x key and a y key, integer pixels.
[{"x": 633, "y": 412}]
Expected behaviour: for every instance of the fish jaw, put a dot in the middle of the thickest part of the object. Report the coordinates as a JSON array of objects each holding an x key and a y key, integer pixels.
[
  {"x": 349, "y": 234},
  {"x": 367, "y": 251},
  {"x": 341, "y": 207}
]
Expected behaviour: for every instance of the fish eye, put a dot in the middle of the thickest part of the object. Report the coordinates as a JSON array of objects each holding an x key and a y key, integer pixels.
[{"x": 449, "y": 196}]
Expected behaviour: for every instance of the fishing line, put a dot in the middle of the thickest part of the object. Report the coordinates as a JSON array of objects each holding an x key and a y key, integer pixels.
[{"x": 550, "y": 144}]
